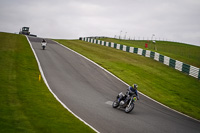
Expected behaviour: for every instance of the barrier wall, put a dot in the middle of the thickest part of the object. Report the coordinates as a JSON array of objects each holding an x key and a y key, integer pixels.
[{"x": 178, "y": 65}]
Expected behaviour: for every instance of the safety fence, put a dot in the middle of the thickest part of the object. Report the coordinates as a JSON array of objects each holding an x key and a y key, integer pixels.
[{"x": 178, "y": 65}]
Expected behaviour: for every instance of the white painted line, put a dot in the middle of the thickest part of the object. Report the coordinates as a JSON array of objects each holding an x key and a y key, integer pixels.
[
  {"x": 109, "y": 102},
  {"x": 42, "y": 73},
  {"x": 126, "y": 83}
]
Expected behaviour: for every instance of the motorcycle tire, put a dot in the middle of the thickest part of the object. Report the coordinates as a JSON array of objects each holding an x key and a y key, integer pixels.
[
  {"x": 43, "y": 47},
  {"x": 115, "y": 104},
  {"x": 130, "y": 108}
]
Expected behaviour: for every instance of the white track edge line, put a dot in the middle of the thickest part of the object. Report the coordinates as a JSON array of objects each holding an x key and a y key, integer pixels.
[
  {"x": 126, "y": 83},
  {"x": 42, "y": 73}
]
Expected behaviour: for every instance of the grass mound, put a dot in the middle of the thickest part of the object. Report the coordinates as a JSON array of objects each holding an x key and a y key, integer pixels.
[{"x": 183, "y": 52}]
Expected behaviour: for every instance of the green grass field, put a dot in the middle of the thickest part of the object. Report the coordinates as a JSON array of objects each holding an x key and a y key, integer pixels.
[
  {"x": 158, "y": 81},
  {"x": 188, "y": 54},
  {"x": 26, "y": 105}
]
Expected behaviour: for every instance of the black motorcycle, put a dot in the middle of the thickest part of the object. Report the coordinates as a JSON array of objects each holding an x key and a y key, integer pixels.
[{"x": 126, "y": 101}]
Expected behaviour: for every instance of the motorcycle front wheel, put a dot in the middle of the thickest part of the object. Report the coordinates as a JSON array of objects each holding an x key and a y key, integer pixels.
[
  {"x": 129, "y": 108},
  {"x": 115, "y": 104}
]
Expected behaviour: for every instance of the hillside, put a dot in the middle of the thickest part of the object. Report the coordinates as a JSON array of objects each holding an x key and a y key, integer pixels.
[{"x": 183, "y": 52}]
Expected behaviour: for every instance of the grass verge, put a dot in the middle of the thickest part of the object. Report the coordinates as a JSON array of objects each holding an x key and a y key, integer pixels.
[
  {"x": 26, "y": 105},
  {"x": 183, "y": 52},
  {"x": 158, "y": 81}
]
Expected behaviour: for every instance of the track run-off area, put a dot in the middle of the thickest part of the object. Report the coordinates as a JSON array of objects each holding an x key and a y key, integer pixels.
[{"x": 88, "y": 91}]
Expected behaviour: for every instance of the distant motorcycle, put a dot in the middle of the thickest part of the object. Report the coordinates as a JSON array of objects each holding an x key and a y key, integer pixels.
[
  {"x": 44, "y": 45},
  {"x": 125, "y": 101}
]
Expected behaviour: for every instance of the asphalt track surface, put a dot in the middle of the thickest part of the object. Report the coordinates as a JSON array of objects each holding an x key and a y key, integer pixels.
[{"x": 87, "y": 89}]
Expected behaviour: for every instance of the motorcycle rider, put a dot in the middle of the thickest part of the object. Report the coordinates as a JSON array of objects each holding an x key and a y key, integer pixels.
[
  {"x": 44, "y": 43},
  {"x": 131, "y": 91}
]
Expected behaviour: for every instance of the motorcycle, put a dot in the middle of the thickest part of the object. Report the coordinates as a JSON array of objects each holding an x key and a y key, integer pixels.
[
  {"x": 125, "y": 101},
  {"x": 44, "y": 45}
]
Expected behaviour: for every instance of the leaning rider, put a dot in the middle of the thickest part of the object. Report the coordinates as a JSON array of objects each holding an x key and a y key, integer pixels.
[{"x": 133, "y": 90}]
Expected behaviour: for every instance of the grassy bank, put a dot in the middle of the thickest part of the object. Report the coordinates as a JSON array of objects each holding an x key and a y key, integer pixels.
[
  {"x": 26, "y": 105},
  {"x": 183, "y": 52},
  {"x": 160, "y": 82}
]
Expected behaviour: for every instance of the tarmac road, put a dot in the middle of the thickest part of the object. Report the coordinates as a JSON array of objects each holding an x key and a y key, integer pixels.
[{"x": 88, "y": 90}]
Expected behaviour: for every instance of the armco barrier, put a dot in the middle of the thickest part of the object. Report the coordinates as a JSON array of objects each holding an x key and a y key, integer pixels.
[{"x": 178, "y": 65}]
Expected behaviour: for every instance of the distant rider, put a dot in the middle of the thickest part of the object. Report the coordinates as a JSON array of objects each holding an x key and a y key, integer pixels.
[{"x": 44, "y": 43}]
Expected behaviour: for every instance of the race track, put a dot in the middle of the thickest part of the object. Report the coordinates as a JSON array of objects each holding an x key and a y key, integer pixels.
[{"x": 87, "y": 90}]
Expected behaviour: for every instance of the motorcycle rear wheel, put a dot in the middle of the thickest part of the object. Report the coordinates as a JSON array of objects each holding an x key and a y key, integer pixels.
[{"x": 130, "y": 108}]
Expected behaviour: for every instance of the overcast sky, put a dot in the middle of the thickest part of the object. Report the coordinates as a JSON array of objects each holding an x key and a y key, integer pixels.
[{"x": 175, "y": 20}]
